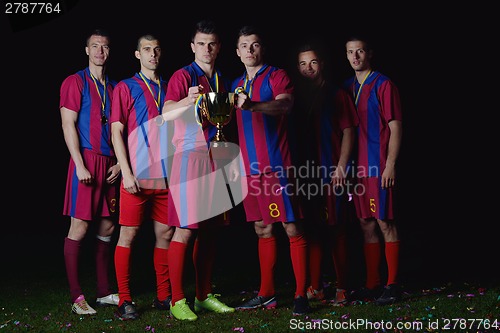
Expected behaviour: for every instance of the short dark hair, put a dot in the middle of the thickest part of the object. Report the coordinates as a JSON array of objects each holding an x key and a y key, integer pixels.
[
  {"x": 97, "y": 32},
  {"x": 312, "y": 46},
  {"x": 248, "y": 30},
  {"x": 146, "y": 37},
  {"x": 360, "y": 38},
  {"x": 205, "y": 26}
]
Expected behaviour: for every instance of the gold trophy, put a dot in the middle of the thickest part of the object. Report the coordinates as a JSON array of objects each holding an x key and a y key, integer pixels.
[{"x": 217, "y": 108}]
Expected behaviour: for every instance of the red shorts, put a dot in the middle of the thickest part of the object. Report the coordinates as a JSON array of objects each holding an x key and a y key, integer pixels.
[
  {"x": 371, "y": 201},
  {"x": 90, "y": 201},
  {"x": 272, "y": 198},
  {"x": 198, "y": 193},
  {"x": 134, "y": 206}
]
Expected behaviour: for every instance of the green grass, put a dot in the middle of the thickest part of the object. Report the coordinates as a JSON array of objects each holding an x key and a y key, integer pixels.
[
  {"x": 39, "y": 303},
  {"x": 34, "y": 296}
]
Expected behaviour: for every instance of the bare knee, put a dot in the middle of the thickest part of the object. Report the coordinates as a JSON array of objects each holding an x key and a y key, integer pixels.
[
  {"x": 369, "y": 229},
  {"x": 389, "y": 230},
  {"x": 262, "y": 230},
  {"x": 106, "y": 228},
  {"x": 127, "y": 236},
  {"x": 77, "y": 229},
  {"x": 292, "y": 229},
  {"x": 182, "y": 235}
]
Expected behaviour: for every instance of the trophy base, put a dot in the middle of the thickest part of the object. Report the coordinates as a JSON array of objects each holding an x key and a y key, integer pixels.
[
  {"x": 222, "y": 150},
  {"x": 219, "y": 144}
]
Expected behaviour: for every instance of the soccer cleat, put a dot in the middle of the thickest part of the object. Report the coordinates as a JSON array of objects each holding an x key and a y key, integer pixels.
[
  {"x": 313, "y": 294},
  {"x": 181, "y": 311},
  {"x": 162, "y": 305},
  {"x": 268, "y": 302},
  {"x": 111, "y": 299},
  {"x": 300, "y": 306},
  {"x": 81, "y": 307},
  {"x": 340, "y": 298},
  {"x": 391, "y": 295},
  {"x": 211, "y": 303},
  {"x": 127, "y": 311}
]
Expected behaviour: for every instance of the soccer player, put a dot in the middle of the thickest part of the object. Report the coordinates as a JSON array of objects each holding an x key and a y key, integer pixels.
[
  {"x": 325, "y": 123},
  {"x": 91, "y": 187},
  {"x": 378, "y": 105},
  {"x": 191, "y": 166},
  {"x": 264, "y": 102},
  {"x": 140, "y": 143}
]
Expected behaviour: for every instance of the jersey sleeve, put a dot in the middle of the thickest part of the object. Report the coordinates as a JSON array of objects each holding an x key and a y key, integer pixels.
[
  {"x": 178, "y": 85},
  {"x": 71, "y": 93},
  {"x": 390, "y": 101},
  {"x": 122, "y": 102},
  {"x": 281, "y": 83}
]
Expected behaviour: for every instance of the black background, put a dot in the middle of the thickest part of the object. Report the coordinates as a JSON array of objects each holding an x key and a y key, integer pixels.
[{"x": 447, "y": 231}]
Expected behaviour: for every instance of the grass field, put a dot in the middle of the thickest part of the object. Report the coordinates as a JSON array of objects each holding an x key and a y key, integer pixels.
[{"x": 34, "y": 297}]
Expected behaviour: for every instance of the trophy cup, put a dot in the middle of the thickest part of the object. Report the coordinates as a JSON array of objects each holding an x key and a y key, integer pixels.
[{"x": 217, "y": 108}]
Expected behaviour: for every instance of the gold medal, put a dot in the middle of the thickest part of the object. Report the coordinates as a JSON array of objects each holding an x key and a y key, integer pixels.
[{"x": 159, "y": 120}]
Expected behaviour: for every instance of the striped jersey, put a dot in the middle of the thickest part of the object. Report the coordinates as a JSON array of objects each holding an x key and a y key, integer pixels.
[
  {"x": 81, "y": 93},
  {"x": 137, "y": 102},
  {"x": 187, "y": 134},
  {"x": 377, "y": 104},
  {"x": 320, "y": 118},
  {"x": 263, "y": 138}
]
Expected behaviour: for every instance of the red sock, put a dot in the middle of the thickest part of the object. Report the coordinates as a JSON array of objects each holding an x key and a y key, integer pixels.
[
  {"x": 176, "y": 260},
  {"x": 203, "y": 258},
  {"x": 102, "y": 257},
  {"x": 298, "y": 254},
  {"x": 160, "y": 260},
  {"x": 267, "y": 258},
  {"x": 372, "y": 260},
  {"x": 314, "y": 252},
  {"x": 392, "y": 258},
  {"x": 122, "y": 269},
  {"x": 71, "y": 255},
  {"x": 339, "y": 255}
]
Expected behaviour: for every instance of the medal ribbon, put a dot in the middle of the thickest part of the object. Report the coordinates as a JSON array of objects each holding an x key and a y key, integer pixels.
[
  {"x": 197, "y": 104},
  {"x": 157, "y": 102},
  {"x": 356, "y": 94},
  {"x": 103, "y": 97},
  {"x": 248, "y": 83}
]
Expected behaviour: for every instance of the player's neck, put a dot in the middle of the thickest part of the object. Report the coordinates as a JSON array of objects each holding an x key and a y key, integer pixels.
[
  {"x": 252, "y": 71},
  {"x": 362, "y": 75},
  {"x": 149, "y": 74},
  {"x": 208, "y": 69},
  {"x": 97, "y": 72}
]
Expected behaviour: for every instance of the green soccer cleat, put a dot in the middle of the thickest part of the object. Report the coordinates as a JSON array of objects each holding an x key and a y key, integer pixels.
[
  {"x": 181, "y": 311},
  {"x": 211, "y": 304}
]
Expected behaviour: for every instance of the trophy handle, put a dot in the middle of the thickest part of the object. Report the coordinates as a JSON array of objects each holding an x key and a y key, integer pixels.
[{"x": 197, "y": 108}]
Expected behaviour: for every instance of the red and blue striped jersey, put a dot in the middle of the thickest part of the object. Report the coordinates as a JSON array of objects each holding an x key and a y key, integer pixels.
[
  {"x": 78, "y": 93},
  {"x": 263, "y": 138},
  {"x": 136, "y": 107},
  {"x": 186, "y": 129},
  {"x": 377, "y": 104}
]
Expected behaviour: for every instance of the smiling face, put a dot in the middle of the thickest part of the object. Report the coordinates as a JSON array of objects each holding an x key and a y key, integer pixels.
[
  {"x": 309, "y": 65},
  {"x": 98, "y": 50}
]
